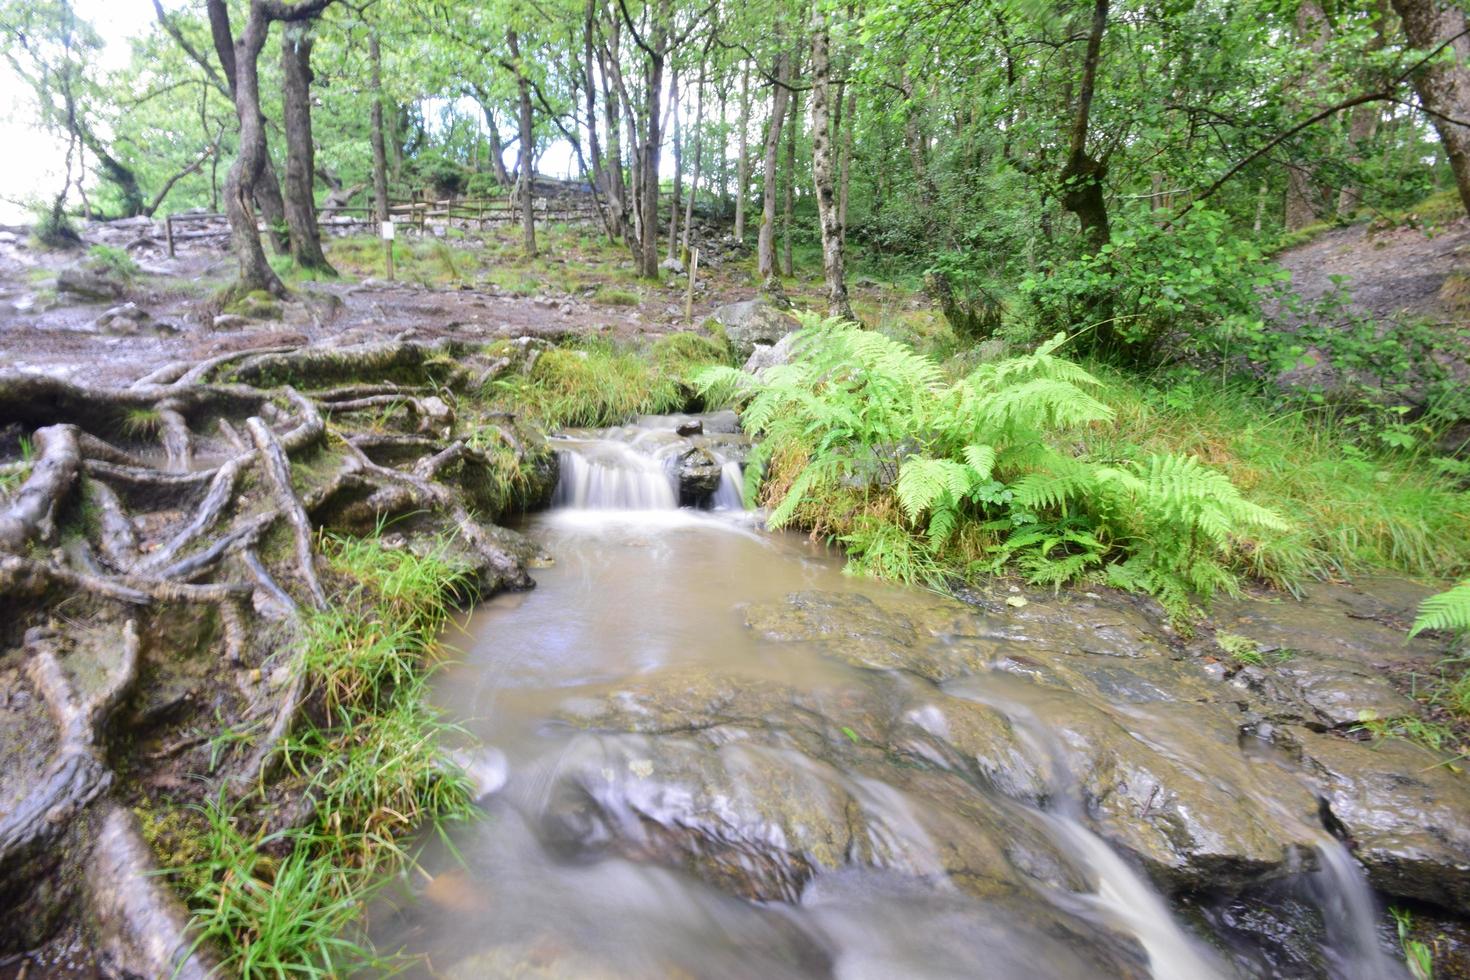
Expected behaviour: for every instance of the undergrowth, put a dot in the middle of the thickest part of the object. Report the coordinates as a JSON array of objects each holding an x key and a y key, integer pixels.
[
  {"x": 924, "y": 478},
  {"x": 285, "y": 902}
]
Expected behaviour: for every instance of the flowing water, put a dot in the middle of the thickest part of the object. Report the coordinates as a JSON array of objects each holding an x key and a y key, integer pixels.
[{"x": 669, "y": 792}]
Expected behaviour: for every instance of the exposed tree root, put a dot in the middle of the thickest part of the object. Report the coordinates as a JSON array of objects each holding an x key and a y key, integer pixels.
[
  {"x": 143, "y": 929},
  {"x": 166, "y": 538},
  {"x": 31, "y": 514},
  {"x": 278, "y": 470}
]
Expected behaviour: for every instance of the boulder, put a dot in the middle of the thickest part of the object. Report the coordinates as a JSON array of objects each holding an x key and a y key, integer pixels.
[
  {"x": 672, "y": 266},
  {"x": 1406, "y": 814},
  {"x": 88, "y": 284},
  {"x": 750, "y": 323},
  {"x": 767, "y": 356},
  {"x": 127, "y": 318},
  {"x": 699, "y": 475}
]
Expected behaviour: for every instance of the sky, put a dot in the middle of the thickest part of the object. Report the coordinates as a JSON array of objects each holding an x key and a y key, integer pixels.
[{"x": 32, "y": 165}]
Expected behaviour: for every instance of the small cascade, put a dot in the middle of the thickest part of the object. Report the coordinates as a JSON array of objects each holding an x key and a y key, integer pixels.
[
  {"x": 611, "y": 475},
  {"x": 731, "y": 493},
  {"x": 636, "y": 468},
  {"x": 1350, "y": 914}
]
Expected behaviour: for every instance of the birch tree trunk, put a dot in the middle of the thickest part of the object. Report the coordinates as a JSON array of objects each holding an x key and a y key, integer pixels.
[
  {"x": 844, "y": 163},
  {"x": 789, "y": 204},
  {"x": 698, "y": 155},
  {"x": 678, "y": 148},
  {"x": 823, "y": 170},
  {"x": 780, "y": 92},
  {"x": 527, "y": 166},
  {"x": 742, "y": 166}
]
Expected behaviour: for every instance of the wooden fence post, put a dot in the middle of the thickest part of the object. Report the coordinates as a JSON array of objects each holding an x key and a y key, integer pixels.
[
  {"x": 168, "y": 233},
  {"x": 689, "y": 295}
]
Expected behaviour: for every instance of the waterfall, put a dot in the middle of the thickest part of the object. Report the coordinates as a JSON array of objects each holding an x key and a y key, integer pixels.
[
  {"x": 1350, "y": 915},
  {"x": 731, "y": 493},
  {"x": 610, "y": 475}
]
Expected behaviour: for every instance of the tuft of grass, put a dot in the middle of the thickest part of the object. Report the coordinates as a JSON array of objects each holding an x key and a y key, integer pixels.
[
  {"x": 1418, "y": 955},
  {"x": 113, "y": 261},
  {"x": 286, "y": 901},
  {"x": 598, "y": 384},
  {"x": 611, "y": 296}
]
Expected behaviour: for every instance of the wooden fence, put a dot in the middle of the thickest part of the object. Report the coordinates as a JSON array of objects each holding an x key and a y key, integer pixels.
[{"x": 465, "y": 213}]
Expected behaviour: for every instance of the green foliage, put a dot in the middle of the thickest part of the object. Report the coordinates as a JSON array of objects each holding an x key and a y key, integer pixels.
[
  {"x": 286, "y": 902},
  {"x": 1418, "y": 955},
  {"x": 1448, "y": 610},
  {"x": 972, "y": 475},
  {"x": 1199, "y": 285},
  {"x": 112, "y": 261}
]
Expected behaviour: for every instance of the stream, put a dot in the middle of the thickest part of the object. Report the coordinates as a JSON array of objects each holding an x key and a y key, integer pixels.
[{"x": 704, "y": 751}]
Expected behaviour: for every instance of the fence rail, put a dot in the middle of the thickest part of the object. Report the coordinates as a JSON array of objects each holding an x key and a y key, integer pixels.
[{"x": 422, "y": 215}]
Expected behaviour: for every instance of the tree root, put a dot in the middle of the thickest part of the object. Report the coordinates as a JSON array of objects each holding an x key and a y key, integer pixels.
[
  {"x": 278, "y": 471},
  {"x": 333, "y": 364},
  {"x": 77, "y": 774},
  {"x": 32, "y": 512},
  {"x": 143, "y": 929},
  {"x": 178, "y": 443}
]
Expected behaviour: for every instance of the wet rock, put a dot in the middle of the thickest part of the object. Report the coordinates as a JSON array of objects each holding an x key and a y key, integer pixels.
[
  {"x": 750, "y": 323},
  {"x": 690, "y": 427},
  {"x": 699, "y": 475},
  {"x": 88, "y": 284},
  {"x": 1329, "y": 691},
  {"x": 1406, "y": 816},
  {"x": 767, "y": 356},
  {"x": 231, "y": 321},
  {"x": 127, "y": 318}
]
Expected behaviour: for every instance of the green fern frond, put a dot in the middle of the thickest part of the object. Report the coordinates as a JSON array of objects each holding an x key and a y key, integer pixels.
[{"x": 1446, "y": 611}]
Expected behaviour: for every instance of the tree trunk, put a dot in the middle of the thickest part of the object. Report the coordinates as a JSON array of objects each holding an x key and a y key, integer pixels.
[
  {"x": 788, "y": 207},
  {"x": 1303, "y": 196},
  {"x": 589, "y": 84},
  {"x": 1444, "y": 84},
  {"x": 742, "y": 167},
  {"x": 844, "y": 163},
  {"x": 495, "y": 148},
  {"x": 653, "y": 83},
  {"x": 766, "y": 244},
  {"x": 1363, "y": 123},
  {"x": 306, "y": 243},
  {"x": 380, "y": 149},
  {"x": 527, "y": 166},
  {"x": 265, "y": 190},
  {"x": 617, "y": 192},
  {"x": 255, "y": 272},
  {"x": 823, "y": 176},
  {"x": 678, "y": 148},
  {"x": 698, "y": 159}
]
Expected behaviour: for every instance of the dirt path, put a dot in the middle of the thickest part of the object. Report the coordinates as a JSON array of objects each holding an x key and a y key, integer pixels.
[{"x": 1392, "y": 273}]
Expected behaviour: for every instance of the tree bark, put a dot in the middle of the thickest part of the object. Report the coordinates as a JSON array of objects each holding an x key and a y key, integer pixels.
[
  {"x": 306, "y": 242},
  {"x": 1303, "y": 196},
  {"x": 255, "y": 272},
  {"x": 823, "y": 176},
  {"x": 742, "y": 167},
  {"x": 766, "y": 243},
  {"x": 678, "y": 147},
  {"x": 698, "y": 159},
  {"x": 1443, "y": 84},
  {"x": 844, "y": 163},
  {"x": 617, "y": 191},
  {"x": 788, "y": 205},
  {"x": 527, "y": 167},
  {"x": 656, "y": 54},
  {"x": 380, "y": 149}
]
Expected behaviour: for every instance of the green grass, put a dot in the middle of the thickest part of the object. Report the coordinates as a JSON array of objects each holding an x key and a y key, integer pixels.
[
  {"x": 598, "y": 384},
  {"x": 1353, "y": 510},
  {"x": 286, "y": 902}
]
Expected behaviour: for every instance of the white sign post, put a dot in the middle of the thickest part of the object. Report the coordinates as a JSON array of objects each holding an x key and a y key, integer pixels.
[{"x": 387, "y": 231}]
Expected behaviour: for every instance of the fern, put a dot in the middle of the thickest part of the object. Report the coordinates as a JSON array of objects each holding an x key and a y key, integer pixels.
[
  {"x": 921, "y": 479},
  {"x": 1446, "y": 611}
]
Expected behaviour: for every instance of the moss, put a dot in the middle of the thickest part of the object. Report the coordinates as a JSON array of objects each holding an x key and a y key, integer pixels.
[{"x": 257, "y": 305}]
